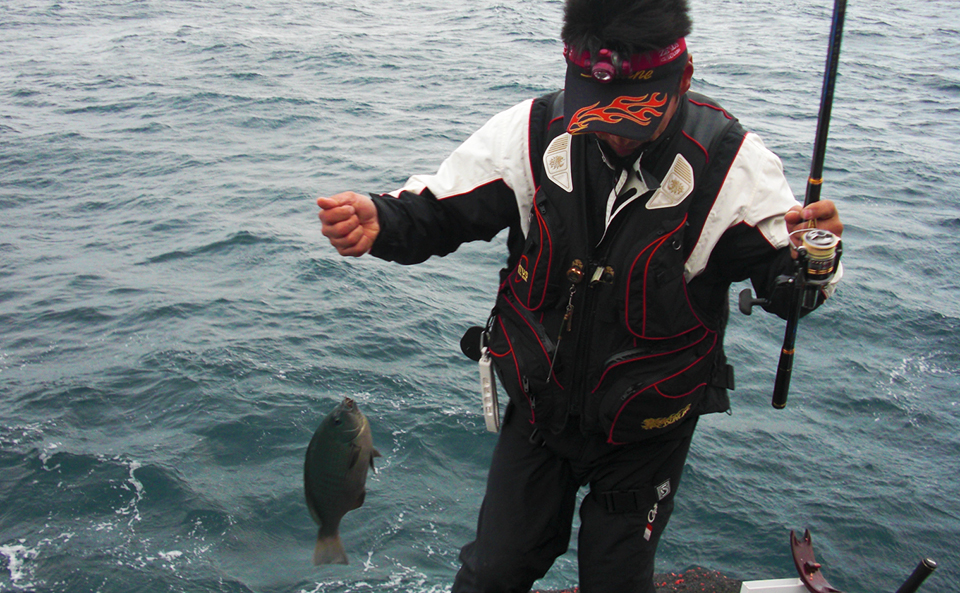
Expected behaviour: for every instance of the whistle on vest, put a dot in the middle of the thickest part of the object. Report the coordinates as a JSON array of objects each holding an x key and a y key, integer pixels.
[{"x": 576, "y": 273}]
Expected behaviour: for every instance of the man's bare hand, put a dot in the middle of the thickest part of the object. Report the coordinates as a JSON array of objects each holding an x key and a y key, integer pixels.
[{"x": 350, "y": 222}]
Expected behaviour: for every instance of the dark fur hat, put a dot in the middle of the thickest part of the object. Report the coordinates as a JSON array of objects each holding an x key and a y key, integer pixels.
[{"x": 624, "y": 25}]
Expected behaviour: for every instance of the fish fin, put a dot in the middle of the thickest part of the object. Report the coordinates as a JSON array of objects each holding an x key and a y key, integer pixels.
[
  {"x": 360, "y": 500},
  {"x": 372, "y": 455},
  {"x": 329, "y": 550},
  {"x": 354, "y": 456},
  {"x": 313, "y": 510}
]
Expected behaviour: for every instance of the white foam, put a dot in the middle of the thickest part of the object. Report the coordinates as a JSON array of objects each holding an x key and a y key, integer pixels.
[{"x": 18, "y": 557}]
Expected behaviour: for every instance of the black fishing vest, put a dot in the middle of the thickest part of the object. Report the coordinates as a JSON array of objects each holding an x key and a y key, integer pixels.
[{"x": 604, "y": 329}]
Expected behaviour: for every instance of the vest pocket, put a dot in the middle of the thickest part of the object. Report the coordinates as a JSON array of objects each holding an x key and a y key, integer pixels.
[
  {"x": 530, "y": 279},
  {"x": 523, "y": 354},
  {"x": 647, "y": 391},
  {"x": 655, "y": 303}
]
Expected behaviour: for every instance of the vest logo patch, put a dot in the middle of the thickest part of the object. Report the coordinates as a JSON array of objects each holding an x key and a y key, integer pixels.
[
  {"x": 522, "y": 272},
  {"x": 663, "y": 490},
  {"x": 654, "y": 423},
  {"x": 556, "y": 162},
  {"x": 676, "y": 186}
]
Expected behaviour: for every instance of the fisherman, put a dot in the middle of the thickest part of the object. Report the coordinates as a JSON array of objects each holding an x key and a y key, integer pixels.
[{"x": 632, "y": 204}]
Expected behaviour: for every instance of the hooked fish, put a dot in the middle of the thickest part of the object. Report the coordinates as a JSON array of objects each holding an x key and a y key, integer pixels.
[{"x": 335, "y": 475}]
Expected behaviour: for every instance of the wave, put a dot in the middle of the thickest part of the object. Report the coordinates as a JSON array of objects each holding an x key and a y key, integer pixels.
[{"x": 237, "y": 240}]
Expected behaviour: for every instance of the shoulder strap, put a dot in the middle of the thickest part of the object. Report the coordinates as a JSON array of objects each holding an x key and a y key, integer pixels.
[
  {"x": 709, "y": 123},
  {"x": 546, "y": 110},
  {"x": 556, "y": 106}
]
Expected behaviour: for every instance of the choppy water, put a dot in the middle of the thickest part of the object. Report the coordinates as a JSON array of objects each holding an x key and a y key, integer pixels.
[{"x": 173, "y": 328}]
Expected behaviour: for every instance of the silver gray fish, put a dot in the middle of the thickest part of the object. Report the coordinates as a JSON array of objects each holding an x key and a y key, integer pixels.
[{"x": 335, "y": 475}]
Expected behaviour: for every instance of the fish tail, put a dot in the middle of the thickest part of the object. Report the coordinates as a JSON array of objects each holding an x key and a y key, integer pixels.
[{"x": 329, "y": 550}]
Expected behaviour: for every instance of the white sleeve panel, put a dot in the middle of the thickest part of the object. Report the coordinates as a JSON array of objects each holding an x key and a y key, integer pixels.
[
  {"x": 500, "y": 150},
  {"x": 755, "y": 192}
]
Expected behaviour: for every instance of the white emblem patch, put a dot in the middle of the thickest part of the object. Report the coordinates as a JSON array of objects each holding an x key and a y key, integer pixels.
[
  {"x": 663, "y": 490},
  {"x": 556, "y": 162},
  {"x": 676, "y": 186}
]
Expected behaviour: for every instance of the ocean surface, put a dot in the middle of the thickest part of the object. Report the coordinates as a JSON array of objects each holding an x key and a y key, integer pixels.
[{"x": 173, "y": 326}]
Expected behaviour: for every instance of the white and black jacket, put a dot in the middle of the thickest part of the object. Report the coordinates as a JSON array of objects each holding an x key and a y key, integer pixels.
[{"x": 614, "y": 300}]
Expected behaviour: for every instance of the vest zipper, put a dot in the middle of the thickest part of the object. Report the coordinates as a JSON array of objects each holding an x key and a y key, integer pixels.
[
  {"x": 599, "y": 274},
  {"x": 596, "y": 268}
]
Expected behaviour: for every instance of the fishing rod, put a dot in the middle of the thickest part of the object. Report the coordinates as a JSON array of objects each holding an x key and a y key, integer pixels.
[
  {"x": 820, "y": 250},
  {"x": 826, "y": 104}
]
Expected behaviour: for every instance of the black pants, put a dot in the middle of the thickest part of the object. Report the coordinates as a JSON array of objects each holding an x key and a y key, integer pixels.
[{"x": 527, "y": 512}]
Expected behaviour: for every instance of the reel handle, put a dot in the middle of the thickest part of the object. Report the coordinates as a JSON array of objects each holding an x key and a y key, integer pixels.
[{"x": 747, "y": 301}]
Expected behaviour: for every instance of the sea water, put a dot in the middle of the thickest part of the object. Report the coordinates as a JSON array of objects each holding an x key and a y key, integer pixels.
[{"x": 173, "y": 326}]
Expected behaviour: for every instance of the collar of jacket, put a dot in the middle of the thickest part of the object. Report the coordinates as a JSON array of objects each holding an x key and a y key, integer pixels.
[{"x": 645, "y": 158}]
